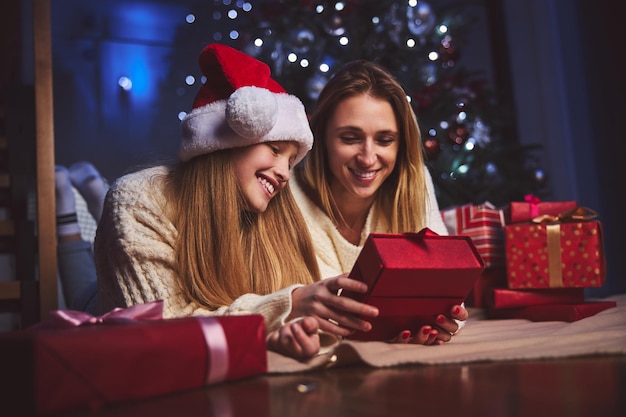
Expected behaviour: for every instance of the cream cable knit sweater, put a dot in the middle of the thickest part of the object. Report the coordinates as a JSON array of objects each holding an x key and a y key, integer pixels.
[
  {"x": 134, "y": 253},
  {"x": 335, "y": 255}
]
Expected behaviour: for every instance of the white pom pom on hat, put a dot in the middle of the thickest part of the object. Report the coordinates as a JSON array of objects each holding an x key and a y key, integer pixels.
[
  {"x": 241, "y": 105},
  {"x": 251, "y": 111}
]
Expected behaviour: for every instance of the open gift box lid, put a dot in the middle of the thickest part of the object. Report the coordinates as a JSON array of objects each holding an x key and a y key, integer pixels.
[{"x": 412, "y": 278}]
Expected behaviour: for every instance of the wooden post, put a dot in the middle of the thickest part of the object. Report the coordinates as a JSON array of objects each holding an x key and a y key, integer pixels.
[{"x": 44, "y": 119}]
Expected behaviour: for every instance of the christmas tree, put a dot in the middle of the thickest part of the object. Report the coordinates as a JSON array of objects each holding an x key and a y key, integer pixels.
[{"x": 468, "y": 149}]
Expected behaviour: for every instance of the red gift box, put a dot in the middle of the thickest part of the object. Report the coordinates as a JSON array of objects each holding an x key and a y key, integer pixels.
[
  {"x": 523, "y": 211},
  {"x": 567, "y": 251},
  {"x": 86, "y": 367},
  {"x": 552, "y": 312},
  {"x": 412, "y": 278},
  {"x": 484, "y": 224},
  {"x": 507, "y": 298}
]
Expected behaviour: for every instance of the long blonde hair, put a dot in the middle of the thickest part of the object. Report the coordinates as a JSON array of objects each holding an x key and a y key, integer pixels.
[
  {"x": 224, "y": 251},
  {"x": 401, "y": 200}
]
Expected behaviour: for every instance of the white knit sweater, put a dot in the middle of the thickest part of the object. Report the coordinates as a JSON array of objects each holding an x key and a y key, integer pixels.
[
  {"x": 134, "y": 252},
  {"x": 336, "y": 255}
]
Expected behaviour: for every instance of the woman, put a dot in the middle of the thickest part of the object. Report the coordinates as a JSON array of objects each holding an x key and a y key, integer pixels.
[
  {"x": 366, "y": 173},
  {"x": 219, "y": 232}
]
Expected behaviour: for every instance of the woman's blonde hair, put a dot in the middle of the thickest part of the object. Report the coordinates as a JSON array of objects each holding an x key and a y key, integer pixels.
[
  {"x": 224, "y": 251},
  {"x": 400, "y": 203}
]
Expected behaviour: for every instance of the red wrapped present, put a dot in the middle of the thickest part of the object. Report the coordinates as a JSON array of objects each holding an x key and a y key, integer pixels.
[
  {"x": 507, "y": 298},
  {"x": 552, "y": 312},
  {"x": 556, "y": 252},
  {"x": 484, "y": 223},
  {"x": 412, "y": 278},
  {"x": 532, "y": 206},
  {"x": 53, "y": 369}
]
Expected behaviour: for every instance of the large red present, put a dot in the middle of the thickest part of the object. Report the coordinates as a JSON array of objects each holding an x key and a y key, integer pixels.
[
  {"x": 556, "y": 252},
  {"x": 412, "y": 278},
  {"x": 532, "y": 206},
  {"x": 484, "y": 224},
  {"x": 507, "y": 298},
  {"x": 88, "y": 366},
  {"x": 552, "y": 312}
]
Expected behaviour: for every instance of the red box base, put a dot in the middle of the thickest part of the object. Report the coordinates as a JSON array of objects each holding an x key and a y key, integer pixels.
[
  {"x": 398, "y": 314},
  {"x": 507, "y": 298},
  {"x": 555, "y": 312}
]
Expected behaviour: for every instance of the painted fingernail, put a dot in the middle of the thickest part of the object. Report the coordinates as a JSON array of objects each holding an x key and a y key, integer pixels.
[
  {"x": 405, "y": 335},
  {"x": 426, "y": 331},
  {"x": 456, "y": 310},
  {"x": 441, "y": 319}
]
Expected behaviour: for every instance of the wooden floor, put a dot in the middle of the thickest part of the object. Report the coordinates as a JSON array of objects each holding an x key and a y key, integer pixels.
[{"x": 588, "y": 386}]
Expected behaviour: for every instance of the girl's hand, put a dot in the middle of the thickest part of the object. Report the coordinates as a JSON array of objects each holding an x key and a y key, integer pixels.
[
  {"x": 335, "y": 314},
  {"x": 299, "y": 338},
  {"x": 443, "y": 332}
]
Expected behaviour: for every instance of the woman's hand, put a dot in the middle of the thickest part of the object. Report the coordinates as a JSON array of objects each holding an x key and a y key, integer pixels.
[
  {"x": 299, "y": 338},
  {"x": 335, "y": 314},
  {"x": 436, "y": 335}
]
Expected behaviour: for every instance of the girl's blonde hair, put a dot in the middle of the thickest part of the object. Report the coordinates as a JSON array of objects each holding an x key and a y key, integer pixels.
[
  {"x": 224, "y": 251},
  {"x": 401, "y": 200}
]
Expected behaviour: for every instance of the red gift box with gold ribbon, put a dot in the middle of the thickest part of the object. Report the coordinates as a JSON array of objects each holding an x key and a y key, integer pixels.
[
  {"x": 556, "y": 251},
  {"x": 413, "y": 277},
  {"x": 76, "y": 365}
]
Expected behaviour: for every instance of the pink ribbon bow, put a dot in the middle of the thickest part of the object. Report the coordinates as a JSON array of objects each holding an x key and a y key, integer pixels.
[
  {"x": 533, "y": 200},
  {"x": 72, "y": 318}
]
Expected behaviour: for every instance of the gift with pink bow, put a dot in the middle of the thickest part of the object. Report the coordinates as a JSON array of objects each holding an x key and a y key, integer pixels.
[
  {"x": 76, "y": 361},
  {"x": 533, "y": 206}
]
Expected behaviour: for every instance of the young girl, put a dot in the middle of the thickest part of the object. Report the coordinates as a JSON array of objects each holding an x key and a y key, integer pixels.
[
  {"x": 219, "y": 232},
  {"x": 366, "y": 174}
]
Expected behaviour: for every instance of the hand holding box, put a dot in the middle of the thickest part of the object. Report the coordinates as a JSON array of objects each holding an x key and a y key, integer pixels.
[{"x": 412, "y": 278}]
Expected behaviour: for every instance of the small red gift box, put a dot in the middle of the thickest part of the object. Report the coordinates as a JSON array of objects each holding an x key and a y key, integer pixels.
[
  {"x": 86, "y": 367},
  {"x": 484, "y": 223},
  {"x": 507, "y": 298},
  {"x": 552, "y": 312},
  {"x": 567, "y": 251},
  {"x": 412, "y": 278},
  {"x": 523, "y": 211}
]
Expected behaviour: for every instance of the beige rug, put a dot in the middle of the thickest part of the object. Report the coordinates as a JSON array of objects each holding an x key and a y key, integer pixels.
[{"x": 484, "y": 340}]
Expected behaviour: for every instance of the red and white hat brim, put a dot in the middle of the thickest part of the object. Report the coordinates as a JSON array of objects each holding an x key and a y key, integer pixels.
[{"x": 210, "y": 128}]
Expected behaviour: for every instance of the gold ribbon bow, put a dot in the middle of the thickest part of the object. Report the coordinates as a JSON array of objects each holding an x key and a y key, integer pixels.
[{"x": 553, "y": 232}]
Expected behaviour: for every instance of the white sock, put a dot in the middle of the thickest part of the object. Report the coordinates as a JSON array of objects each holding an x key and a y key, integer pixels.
[
  {"x": 67, "y": 221},
  {"x": 90, "y": 184}
]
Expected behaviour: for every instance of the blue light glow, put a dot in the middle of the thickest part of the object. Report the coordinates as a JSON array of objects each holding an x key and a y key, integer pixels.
[{"x": 125, "y": 83}]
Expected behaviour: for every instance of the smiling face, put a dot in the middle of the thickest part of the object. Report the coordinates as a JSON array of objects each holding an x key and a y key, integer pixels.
[
  {"x": 362, "y": 141},
  {"x": 262, "y": 170}
]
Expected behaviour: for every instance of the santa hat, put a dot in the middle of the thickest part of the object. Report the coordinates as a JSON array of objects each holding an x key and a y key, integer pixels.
[{"x": 241, "y": 105}]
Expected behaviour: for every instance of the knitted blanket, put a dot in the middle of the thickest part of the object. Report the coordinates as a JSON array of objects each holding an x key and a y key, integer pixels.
[{"x": 483, "y": 339}]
